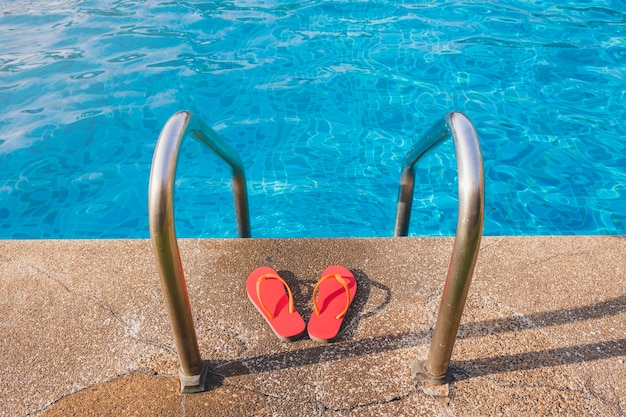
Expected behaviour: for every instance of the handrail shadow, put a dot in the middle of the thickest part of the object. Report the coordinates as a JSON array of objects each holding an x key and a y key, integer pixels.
[
  {"x": 540, "y": 359},
  {"x": 479, "y": 367}
]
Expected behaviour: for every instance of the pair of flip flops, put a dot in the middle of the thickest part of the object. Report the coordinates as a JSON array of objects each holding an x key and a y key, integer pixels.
[{"x": 332, "y": 297}]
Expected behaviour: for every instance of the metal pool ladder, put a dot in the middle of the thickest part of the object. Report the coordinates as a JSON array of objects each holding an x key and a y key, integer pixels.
[
  {"x": 192, "y": 370},
  {"x": 434, "y": 370},
  {"x": 469, "y": 231}
]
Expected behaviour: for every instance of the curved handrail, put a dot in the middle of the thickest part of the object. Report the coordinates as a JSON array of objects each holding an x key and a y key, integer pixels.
[
  {"x": 469, "y": 229},
  {"x": 163, "y": 234}
]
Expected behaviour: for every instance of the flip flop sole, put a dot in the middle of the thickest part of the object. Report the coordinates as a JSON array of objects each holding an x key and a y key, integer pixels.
[
  {"x": 286, "y": 325},
  {"x": 332, "y": 299}
]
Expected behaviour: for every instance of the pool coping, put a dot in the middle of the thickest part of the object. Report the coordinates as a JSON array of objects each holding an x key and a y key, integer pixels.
[{"x": 542, "y": 333}]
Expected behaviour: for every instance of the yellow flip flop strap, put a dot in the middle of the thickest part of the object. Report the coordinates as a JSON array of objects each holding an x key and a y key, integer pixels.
[
  {"x": 345, "y": 286},
  {"x": 258, "y": 293}
]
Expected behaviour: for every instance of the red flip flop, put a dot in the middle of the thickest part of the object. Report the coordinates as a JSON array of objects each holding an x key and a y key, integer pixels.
[
  {"x": 266, "y": 290},
  {"x": 332, "y": 297}
]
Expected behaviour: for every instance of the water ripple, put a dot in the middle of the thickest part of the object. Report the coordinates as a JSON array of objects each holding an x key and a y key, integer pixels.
[{"x": 314, "y": 95}]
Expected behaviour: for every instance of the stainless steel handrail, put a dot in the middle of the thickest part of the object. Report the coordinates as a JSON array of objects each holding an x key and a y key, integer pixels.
[
  {"x": 469, "y": 230},
  {"x": 163, "y": 234}
]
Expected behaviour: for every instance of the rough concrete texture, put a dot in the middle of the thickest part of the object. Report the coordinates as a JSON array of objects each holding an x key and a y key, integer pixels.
[{"x": 85, "y": 331}]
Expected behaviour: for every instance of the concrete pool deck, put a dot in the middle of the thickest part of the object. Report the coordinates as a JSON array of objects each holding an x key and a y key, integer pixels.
[{"x": 85, "y": 331}]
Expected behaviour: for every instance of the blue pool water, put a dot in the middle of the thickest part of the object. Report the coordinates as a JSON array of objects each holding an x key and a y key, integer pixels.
[{"x": 321, "y": 99}]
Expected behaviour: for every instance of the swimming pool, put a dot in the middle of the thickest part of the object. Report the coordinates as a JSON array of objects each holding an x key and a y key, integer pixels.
[{"x": 321, "y": 99}]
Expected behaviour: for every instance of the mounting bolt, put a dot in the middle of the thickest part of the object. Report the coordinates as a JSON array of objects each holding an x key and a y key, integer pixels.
[
  {"x": 437, "y": 386},
  {"x": 194, "y": 383}
]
